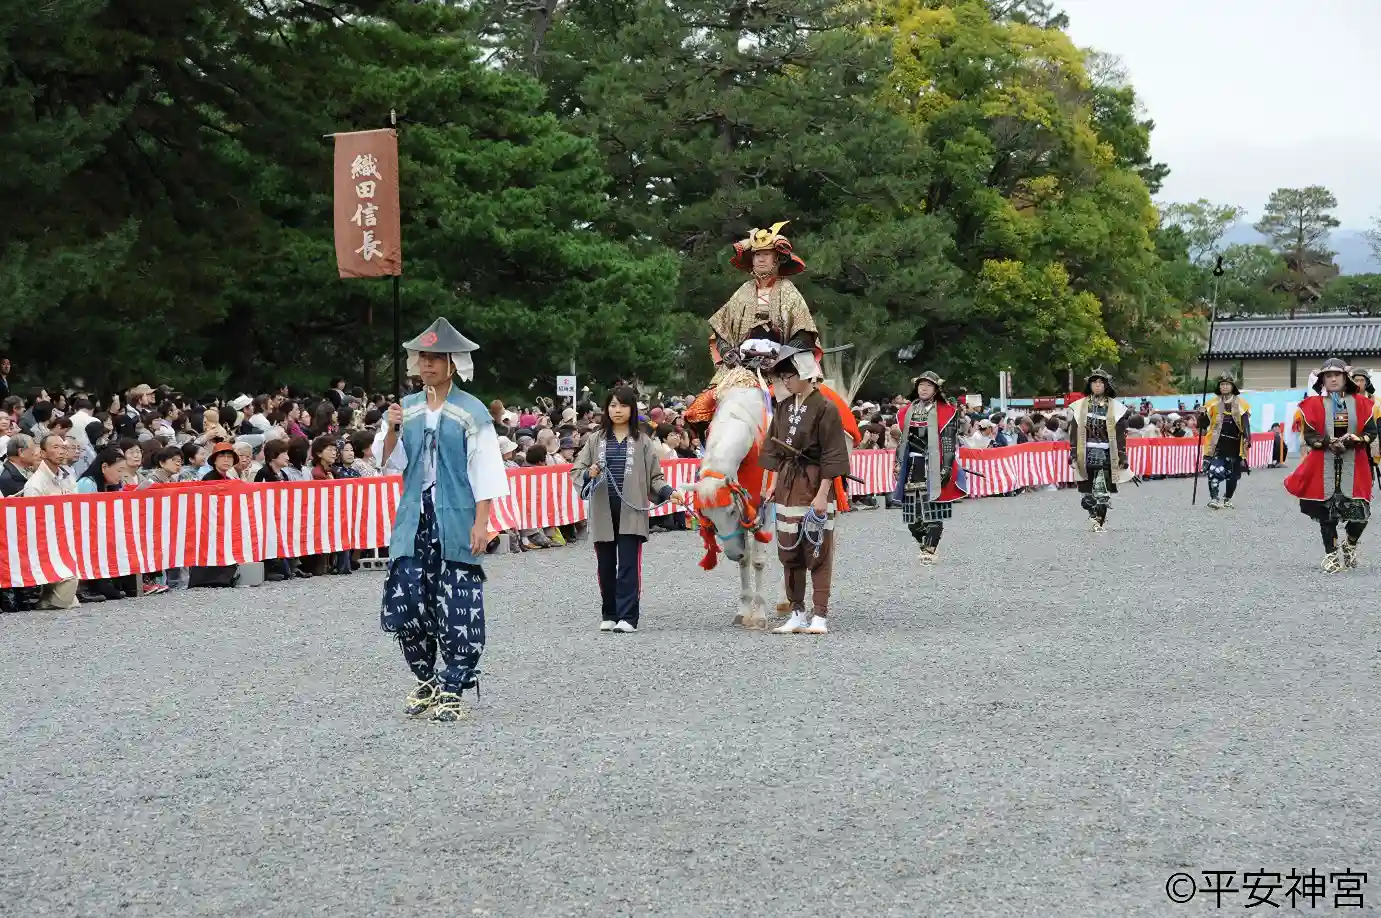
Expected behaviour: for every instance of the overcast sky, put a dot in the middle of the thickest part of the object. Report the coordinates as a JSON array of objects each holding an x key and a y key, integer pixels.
[{"x": 1252, "y": 95}]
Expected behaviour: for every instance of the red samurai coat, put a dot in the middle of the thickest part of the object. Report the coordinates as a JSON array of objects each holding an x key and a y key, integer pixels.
[
  {"x": 946, "y": 432},
  {"x": 1308, "y": 481}
]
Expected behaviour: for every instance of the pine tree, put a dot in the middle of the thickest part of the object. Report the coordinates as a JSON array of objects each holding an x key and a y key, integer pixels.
[{"x": 718, "y": 116}]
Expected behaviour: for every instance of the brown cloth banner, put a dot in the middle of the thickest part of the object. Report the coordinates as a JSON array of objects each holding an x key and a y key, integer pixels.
[{"x": 369, "y": 236}]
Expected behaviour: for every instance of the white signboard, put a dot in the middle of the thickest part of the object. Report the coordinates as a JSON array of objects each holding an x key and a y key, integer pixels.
[{"x": 565, "y": 386}]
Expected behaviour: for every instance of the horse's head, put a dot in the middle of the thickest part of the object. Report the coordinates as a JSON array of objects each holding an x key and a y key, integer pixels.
[
  {"x": 721, "y": 516},
  {"x": 729, "y": 514}
]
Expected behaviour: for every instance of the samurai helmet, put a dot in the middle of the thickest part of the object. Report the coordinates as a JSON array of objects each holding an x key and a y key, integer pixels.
[
  {"x": 1227, "y": 377},
  {"x": 1335, "y": 365},
  {"x": 1367, "y": 386},
  {"x": 1104, "y": 375},
  {"x": 764, "y": 240},
  {"x": 931, "y": 377}
]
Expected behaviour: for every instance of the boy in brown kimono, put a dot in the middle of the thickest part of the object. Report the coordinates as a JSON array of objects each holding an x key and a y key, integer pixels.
[{"x": 805, "y": 446}]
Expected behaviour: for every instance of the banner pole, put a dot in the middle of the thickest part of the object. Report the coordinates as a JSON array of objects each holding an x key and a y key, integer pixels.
[
  {"x": 1203, "y": 401},
  {"x": 397, "y": 307}
]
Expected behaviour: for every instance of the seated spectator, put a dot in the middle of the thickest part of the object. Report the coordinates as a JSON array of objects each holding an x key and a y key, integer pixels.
[
  {"x": 22, "y": 456},
  {"x": 361, "y": 445},
  {"x": 40, "y": 415},
  {"x": 245, "y": 466},
  {"x": 323, "y": 457},
  {"x": 223, "y": 459},
  {"x": 134, "y": 459},
  {"x": 107, "y": 472},
  {"x": 51, "y": 478},
  {"x": 211, "y": 430},
  {"x": 193, "y": 459},
  {"x": 275, "y": 461},
  {"x": 299, "y": 452},
  {"x": 167, "y": 466}
]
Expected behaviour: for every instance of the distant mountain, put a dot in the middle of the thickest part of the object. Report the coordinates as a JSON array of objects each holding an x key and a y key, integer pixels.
[{"x": 1353, "y": 253}]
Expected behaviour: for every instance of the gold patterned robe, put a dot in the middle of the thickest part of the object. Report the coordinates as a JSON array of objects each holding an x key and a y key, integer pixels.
[{"x": 775, "y": 306}]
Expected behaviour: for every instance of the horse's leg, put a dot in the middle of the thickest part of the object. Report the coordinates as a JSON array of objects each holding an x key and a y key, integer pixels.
[
  {"x": 745, "y": 587},
  {"x": 759, "y": 558}
]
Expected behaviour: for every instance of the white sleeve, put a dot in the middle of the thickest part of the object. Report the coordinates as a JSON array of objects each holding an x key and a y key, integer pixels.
[
  {"x": 488, "y": 477},
  {"x": 397, "y": 460}
]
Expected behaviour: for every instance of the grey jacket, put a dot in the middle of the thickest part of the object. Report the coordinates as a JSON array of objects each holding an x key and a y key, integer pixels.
[{"x": 643, "y": 482}]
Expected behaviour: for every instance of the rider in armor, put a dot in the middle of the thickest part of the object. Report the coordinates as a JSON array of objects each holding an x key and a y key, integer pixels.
[{"x": 766, "y": 307}]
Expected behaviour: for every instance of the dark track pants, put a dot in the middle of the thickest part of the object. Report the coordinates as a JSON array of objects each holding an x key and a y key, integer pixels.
[{"x": 620, "y": 565}]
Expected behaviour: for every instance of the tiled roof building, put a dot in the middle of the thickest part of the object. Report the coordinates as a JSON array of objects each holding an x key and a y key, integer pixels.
[{"x": 1280, "y": 352}]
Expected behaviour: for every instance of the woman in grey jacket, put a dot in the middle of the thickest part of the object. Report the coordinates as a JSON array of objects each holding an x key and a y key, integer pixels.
[{"x": 618, "y": 471}]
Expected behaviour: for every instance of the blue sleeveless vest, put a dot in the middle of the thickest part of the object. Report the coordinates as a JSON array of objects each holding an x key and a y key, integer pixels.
[{"x": 457, "y": 432}]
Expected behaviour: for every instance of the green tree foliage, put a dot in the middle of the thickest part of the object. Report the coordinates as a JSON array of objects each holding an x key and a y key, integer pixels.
[
  {"x": 965, "y": 184},
  {"x": 1044, "y": 176},
  {"x": 1373, "y": 237},
  {"x": 717, "y": 116},
  {"x": 174, "y": 193},
  {"x": 1357, "y": 293},
  {"x": 1204, "y": 225},
  {"x": 1297, "y": 222}
]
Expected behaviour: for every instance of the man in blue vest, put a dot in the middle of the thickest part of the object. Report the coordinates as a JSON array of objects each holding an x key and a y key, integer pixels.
[{"x": 443, "y": 443}]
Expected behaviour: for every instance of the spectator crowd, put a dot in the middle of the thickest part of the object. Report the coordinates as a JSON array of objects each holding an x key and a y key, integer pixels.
[{"x": 58, "y": 442}]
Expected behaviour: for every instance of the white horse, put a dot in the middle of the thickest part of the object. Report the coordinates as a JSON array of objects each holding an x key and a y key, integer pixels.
[{"x": 733, "y": 510}]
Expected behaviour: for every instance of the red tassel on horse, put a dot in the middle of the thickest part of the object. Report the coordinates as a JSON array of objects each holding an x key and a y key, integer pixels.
[{"x": 712, "y": 549}]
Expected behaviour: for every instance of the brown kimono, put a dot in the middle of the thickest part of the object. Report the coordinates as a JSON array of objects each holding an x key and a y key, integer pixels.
[{"x": 818, "y": 453}]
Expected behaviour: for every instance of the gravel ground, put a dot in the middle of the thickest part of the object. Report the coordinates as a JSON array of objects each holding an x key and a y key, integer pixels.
[{"x": 1052, "y": 722}]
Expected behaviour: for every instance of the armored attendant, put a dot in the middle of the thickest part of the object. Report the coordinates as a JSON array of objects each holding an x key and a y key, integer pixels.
[
  {"x": 1098, "y": 446},
  {"x": 1364, "y": 384},
  {"x": 929, "y": 476},
  {"x": 1225, "y": 424},
  {"x": 807, "y": 449},
  {"x": 1333, "y": 483},
  {"x": 443, "y": 443}
]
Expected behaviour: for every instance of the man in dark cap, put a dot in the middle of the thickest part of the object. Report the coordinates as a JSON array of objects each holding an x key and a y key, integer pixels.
[
  {"x": 1098, "y": 445},
  {"x": 1225, "y": 432},
  {"x": 443, "y": 443}
]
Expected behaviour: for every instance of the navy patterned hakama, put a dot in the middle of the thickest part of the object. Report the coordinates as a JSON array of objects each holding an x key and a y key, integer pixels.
[{"x": 431, "y": 603}]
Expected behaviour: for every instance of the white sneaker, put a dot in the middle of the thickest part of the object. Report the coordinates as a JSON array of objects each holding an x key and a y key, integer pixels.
[
  {"x": 797, "y": 624},
  {"x": 927, "y": 556},
  {"x": 606, "y": 625},
  {"x": 625, "y": 628},
  {"x": 818, "y": 625},
  {"x": 1227, "y": 505},
  {"x": 1213, "y": 503}
]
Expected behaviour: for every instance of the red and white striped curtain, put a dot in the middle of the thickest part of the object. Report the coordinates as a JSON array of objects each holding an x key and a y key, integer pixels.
[{"x": 205, "y": 524}]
